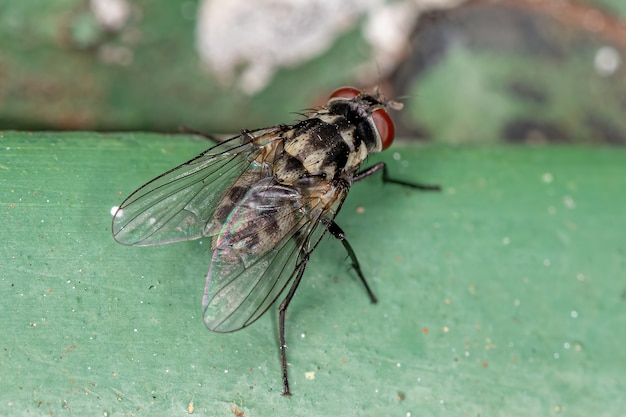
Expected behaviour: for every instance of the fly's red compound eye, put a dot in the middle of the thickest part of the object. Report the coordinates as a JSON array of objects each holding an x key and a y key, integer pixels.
[
  {"x": 385, "y": 127},
  {"x": 345, "y": 92}
]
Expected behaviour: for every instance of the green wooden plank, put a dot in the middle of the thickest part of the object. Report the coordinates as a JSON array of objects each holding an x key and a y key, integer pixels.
[{"x": 503, "y": 295}]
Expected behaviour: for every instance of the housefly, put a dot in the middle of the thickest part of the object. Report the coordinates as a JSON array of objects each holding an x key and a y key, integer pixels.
[{"x": 265, "y": 198}]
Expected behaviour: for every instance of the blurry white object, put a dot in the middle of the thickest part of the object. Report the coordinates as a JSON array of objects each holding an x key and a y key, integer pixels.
[
  {"x": 112, "y": 14},
  {"x": 245, "y": 42}
]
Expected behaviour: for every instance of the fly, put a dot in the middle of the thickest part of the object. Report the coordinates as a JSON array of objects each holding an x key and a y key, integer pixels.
[{"x": 265, "y": 198}]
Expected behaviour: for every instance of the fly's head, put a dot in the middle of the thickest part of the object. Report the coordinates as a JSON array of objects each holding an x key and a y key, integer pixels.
[{"x": 368, "y": 114}]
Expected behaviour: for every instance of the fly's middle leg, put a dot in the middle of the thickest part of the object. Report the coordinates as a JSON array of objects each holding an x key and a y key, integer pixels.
[
  {"x": 386, "y": 178},
  {"x": 337, "y": 232}
]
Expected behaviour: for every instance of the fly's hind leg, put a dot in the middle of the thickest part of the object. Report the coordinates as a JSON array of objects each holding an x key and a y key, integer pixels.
[
  {"x": 336, "y": 231},
  {"x": 282, "y": 310},
  {"x": 386, "y": 178}
]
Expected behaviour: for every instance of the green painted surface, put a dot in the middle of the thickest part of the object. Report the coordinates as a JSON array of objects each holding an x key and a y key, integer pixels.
[{"x": 503, "y": 295}]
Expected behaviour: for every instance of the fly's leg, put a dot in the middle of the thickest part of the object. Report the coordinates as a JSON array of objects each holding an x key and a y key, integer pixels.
[
  {"x": 336, "y": 231},
  {"x": 185, "y": 129},
  {"x": 207, "y": 136},
  {"x": 382, "y": 166},
  {"x": 304, "y": 258}
]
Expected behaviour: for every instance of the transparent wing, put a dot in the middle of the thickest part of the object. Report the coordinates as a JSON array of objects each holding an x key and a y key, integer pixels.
[
  {"x": 178, "y": 204},
  {"x": 242, "y": 285}
]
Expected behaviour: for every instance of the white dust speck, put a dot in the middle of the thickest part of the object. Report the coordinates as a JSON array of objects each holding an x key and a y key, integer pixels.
[
  {"x": 506, "y": 240},
  {"x": 152, "y": 221},
  {"x": 225, "y": 371},
  {"x": 396, "y": 156},
  {"x": 556, "y": 356},
  {"x": 566, "y": 345},
  {"x": 309, "y": 375},
  {"x": 547, "y": 178},
  {"x": 569, "y": 202},
  {"x": 546, "y": 262},
  {"x": 574, "y": 314}
]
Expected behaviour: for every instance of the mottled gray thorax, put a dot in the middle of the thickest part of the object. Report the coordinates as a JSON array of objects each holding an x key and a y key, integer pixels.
[{"x": 323, "y": 147}]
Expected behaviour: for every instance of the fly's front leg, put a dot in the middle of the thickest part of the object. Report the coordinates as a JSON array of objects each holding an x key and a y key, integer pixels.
[
  {"x": 282, "y": 310},
  {"x": 336, "y": 231},
  {"x": 382, "y": 166}
]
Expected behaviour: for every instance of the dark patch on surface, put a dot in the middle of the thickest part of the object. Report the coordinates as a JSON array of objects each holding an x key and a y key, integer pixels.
[
  {"x": 528, "y": 92},
  {"x": 480, "y": 27},
  {"x": 534, "y": 131},
  {"x": 604, "y": 131}
]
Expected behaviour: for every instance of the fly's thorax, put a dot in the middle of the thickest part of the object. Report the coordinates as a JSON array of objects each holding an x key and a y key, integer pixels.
[{"x": 322, "y": 146}]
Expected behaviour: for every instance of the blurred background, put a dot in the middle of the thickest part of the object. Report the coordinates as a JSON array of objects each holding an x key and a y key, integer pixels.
[
  {"x": 504, "y": 295},
  {"x": 528, "y": 71}
]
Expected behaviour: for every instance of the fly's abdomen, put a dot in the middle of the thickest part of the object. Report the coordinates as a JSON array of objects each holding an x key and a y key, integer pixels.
[{"x": 258, "y": 221}]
